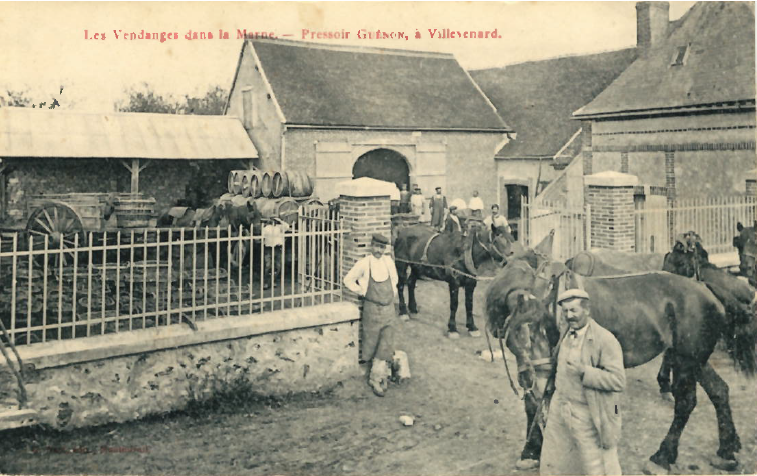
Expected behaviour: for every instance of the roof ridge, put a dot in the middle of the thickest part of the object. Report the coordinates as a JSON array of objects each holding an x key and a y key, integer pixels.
[
  {"x": 353, "y": 48},
  {"x": 553, "y": 58}
]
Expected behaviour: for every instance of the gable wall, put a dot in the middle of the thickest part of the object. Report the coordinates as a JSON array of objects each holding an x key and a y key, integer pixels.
[{"x": 266, "y": 135}]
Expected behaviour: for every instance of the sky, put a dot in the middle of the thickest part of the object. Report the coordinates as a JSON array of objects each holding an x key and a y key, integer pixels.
[{"x": 48, "y": 46}]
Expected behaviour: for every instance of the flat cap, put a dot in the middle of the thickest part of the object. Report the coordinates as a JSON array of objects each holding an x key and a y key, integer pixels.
[
  {"x": 438, "y": 188},
  {"x": 572, "y": 294},
  {"x": 453, "y": 207},
  {"x": 380, "y": 239}
]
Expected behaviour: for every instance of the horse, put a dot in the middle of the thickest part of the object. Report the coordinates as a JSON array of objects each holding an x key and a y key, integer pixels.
[
  {"x": 446, "y": 257},
  {"x": 648, "y": 313},
  {"x": 746, "y": 244},
  {"x": 602, "y": 262}
]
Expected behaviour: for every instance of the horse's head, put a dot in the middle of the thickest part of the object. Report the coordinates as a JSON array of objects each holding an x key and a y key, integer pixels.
[
  {"x": 527, "y": 337},
  {"x": 687, "y": 256},
  {"x": 515, "y": 276}
]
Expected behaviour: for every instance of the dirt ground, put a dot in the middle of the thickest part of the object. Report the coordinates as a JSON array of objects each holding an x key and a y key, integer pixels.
[{"x": 467, "y": 422}]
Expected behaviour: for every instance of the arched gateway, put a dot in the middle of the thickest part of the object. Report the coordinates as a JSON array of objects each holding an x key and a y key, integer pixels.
[{"x": 383, "y": 164}]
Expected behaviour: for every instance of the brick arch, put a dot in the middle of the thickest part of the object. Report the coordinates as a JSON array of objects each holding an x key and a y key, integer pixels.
[{"x": 384, "y": 164}]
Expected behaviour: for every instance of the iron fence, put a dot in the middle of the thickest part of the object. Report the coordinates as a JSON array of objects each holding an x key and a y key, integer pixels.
[{"x": 62, "y": 287}]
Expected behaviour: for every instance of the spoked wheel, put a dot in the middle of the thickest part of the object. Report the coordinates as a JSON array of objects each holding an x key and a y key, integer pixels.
[{"x": 61, "y": 224}]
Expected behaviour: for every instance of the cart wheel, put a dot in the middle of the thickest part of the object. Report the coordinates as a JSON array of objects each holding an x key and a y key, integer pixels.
[{"x": 61, "y": 223}]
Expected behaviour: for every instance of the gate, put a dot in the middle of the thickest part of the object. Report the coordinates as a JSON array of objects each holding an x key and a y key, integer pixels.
[{"x": 571, "y": 226}]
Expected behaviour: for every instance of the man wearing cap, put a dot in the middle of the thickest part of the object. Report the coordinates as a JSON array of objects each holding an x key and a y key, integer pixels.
[
  {"x": 583, "y": 425},
  {"x": 374, "y": 279},
  {"x": 438, "y": 205},
  {"x": 452, "y": 224}
]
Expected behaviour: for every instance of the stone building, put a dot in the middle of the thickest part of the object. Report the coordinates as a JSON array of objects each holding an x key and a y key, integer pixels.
[
  {"x": 61, "y": 151},
  {"x": 344, "y": 112},
  {"x": 682, "y": 116},
  {"x": 538, "y": 98}
]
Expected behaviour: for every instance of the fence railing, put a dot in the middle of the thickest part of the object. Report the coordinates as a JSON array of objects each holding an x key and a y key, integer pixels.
[
  {"x": 571, "y": 226},
  {"x": 713, "y": 219},
  {"x": 99, "y": 283}
]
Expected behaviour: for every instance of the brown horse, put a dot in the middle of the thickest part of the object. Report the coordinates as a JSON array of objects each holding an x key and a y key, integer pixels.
[
  {"x": 647, "y": 313},
  {"x": 446, "y": 257}
]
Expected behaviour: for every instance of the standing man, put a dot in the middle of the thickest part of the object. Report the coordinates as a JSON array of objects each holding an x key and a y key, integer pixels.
[
  {"x": 437, "y": 206},
  {"x": 404, "y": 199},
  {"x": 273, "y": 243},
  {"x": 476, "y": 205},
  {"x": 452, "y": 224},
  {"x": 374, "y": 279},
  {"x": 583, "y": 425},
  {"x": 416, "y": 202},
  {"x": 498, "y": 221}
]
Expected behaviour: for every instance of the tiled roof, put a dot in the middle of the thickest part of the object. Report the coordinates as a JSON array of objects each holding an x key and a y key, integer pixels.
[
  {"x": 328, "y": 85},
  {"x": 30, "y": 132},
  {"x": 537, "y": 98},
  {"x": 719, "y": 66}
]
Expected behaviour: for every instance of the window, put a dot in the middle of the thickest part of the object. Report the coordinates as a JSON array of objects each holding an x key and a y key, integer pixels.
[
  {"x": 248, "y": 106},
  {"x": 679, "y": 57}
]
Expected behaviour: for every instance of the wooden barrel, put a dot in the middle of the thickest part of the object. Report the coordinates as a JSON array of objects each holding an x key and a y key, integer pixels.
[
  {"x": 245, "y": 182},
  {"x": 311, "y": 203},
  {"x": 266, "y": 185},
  {"x": 234, "y": 185},
  {"x": 284, "y": 208},
  {"x": 278, "y": 184},
  {"x": 292, "y": 184}
]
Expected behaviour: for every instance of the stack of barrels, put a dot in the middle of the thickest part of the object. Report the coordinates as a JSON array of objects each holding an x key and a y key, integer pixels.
[{"x": 276, "y": 194}]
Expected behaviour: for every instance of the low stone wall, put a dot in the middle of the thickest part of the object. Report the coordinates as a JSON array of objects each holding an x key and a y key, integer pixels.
[{"x": 121, "y": 377}]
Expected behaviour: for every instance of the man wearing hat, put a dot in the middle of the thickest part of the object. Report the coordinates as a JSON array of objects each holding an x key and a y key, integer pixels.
[
  {"x": 452, "y": 224},
  {"x": 374, "y": 279},
  {"x": 583, "y": 425},
  {"x": 417, "y": 205},
  {"x": 438, "y": 205}
]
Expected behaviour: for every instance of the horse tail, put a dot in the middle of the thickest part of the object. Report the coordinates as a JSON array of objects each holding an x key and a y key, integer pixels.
[
  {"x": 740, "y": 336},
  {"x": 496, "y": 309}
]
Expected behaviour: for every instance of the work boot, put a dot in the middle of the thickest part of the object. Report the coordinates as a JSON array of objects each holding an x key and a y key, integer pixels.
[
  {"x": 400, "y": 366},
  {"x": 379, "y": 376}
]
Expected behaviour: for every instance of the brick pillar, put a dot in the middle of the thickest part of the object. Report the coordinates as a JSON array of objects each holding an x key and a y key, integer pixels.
[
  {"x": 624, "y": 162},
  {"x": 751, "y": 183},
  {"x": 611, "y": 197},
  {"x": 586, "y": 151}
]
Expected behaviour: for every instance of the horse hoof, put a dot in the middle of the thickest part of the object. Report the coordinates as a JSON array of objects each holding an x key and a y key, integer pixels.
[
  {"x": 724, "y": 464},
  {"x": 414, "y": 311},
  {"x": 404, "y": 317},
  {"x": 524, "y": 464},
  {"x": 667, "y": 396},
  {"x": 475, "y": 333},
  {"x": 453, "y": 335},
  {"x": 654, "y": 468}
]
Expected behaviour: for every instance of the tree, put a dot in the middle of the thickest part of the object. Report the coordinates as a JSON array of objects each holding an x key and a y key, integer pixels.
[{"x": 145, "y": 99}]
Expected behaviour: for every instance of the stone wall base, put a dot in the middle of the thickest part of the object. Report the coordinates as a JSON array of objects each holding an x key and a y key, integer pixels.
[{"x": 313, "y": 349}]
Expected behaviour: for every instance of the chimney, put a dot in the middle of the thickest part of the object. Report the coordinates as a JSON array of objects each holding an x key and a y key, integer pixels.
[{"x": 652, "y": 20}]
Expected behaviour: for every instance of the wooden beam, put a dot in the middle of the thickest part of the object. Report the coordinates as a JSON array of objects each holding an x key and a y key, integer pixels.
[{"x": 135, "y": 168}]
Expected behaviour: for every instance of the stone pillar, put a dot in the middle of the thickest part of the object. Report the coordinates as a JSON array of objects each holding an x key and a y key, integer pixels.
[
  {"x": 364, "y": 207},
  {"x": 751, "y": 183},
  {"x": 611, "y": 197},
  {"x": 586, "y": 151}
]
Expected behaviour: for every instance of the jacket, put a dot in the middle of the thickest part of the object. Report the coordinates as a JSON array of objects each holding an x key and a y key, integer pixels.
[{"x": 604, "y": 380}]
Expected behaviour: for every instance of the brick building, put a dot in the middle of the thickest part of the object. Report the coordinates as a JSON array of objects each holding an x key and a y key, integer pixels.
[
  {"x": 60, "y": 151},
  {"x": 682, "y": 116},
  {"x": 343, "y": 112}
]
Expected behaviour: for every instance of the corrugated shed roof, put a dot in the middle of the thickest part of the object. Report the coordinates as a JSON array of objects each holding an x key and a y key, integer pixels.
[
  {"x": 328, "y": 85},
  {"x": 30, "y": 132},
  {"x": 537, "y": 98},
  {"x": 719, "y": 68}
]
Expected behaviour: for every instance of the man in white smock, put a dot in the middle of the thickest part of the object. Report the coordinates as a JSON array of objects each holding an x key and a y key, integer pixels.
[
  {"x": 273, "y": 242},
  {"x": 374, "y": 278}
]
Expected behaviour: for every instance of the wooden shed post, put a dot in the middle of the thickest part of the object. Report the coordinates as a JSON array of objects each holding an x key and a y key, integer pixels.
[{"x": 135, "y": 169}]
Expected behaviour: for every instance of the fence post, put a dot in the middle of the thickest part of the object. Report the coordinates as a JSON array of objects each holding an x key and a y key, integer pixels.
[{"x": 610, "y": 196}]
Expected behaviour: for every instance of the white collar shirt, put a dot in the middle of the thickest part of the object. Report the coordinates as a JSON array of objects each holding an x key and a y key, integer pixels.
[{"x": 380, "y": 269}]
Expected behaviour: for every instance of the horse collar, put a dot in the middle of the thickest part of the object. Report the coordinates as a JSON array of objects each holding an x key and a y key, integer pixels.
[{"x": 424, "y": 257}]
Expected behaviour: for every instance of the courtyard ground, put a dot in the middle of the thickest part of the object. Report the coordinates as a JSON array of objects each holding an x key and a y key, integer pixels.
[{"x": 467, "y": 422}]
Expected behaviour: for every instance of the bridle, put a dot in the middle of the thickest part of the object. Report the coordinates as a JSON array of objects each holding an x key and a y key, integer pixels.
[{"x": 491, "y": 250}]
